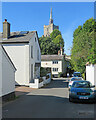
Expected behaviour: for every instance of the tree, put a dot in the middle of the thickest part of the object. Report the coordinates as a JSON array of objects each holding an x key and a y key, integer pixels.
[
  {"x": 47, "y": 46},
  {"x": 84, "y": 45},
  {"x": 51, "y": 45},
  {"x": 54, "y": 34},
  {"x": 59, "y": 41}
]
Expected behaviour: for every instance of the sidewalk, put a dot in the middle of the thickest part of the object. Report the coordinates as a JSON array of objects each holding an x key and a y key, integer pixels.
[{"x": 21, "y": 90}]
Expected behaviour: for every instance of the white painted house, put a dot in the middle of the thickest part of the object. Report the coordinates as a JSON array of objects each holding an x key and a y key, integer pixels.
[
  {"x": 7, "y": 74},
  {"x": 91, "y": 73},
  {"x": 57, "y": 63},
  {"x": 23, "y": 48}
]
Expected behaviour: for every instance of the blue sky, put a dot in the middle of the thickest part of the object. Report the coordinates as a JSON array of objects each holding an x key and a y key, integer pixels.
[{"x": 30, "y": 16}]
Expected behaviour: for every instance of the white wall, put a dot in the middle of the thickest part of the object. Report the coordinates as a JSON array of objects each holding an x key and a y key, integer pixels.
[
  {"x": 34, "y": 60},
  {"x": 49, "y": 64},
  {"x": 91, "y": 73},
  {"x": 0, "y": 72},
  {"x": 8, "y": 74},
  {"x": 19, "y": 53}
]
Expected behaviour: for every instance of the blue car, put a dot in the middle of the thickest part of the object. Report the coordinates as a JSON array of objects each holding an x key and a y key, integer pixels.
[
  {"x": 77, "y": 74},
  {"x": 82, "y": 91}
]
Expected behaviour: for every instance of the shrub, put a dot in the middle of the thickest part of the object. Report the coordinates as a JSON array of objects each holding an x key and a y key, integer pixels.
[
  {"x": 43, "y": 72},
  {"x": 40, "y": 80},
  {"x": 47, "y": 76},
  {"x": 60, "y": 74}
]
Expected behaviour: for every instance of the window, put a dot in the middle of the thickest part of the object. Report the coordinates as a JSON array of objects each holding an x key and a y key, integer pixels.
[
  {"x": 37, "y": 54},
  {"x": 55, "y": 69},
  {"x": 31, "y": 51},
  {"x": 31, "y": 72},
  {"x": 55, "y": 62}
]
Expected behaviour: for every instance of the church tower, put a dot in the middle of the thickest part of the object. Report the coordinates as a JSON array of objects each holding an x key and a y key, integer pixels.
[{"x": 49, "y": 28}]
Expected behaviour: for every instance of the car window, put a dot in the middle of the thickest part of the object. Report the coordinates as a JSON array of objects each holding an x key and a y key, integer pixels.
[
  {"x": 74, "y": 79},
  {"x": 81, "y": 84},
  {"x": 77, "y": 74}
]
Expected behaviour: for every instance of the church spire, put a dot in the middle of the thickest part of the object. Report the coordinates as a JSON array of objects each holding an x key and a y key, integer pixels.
[
  {"x": 51, "y": 20},
  {"x": 51, "y": 14}
]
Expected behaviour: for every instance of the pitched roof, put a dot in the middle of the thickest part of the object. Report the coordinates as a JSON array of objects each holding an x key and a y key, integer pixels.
[
  {"x": 8, "y": 57},
  {"x": 51, "y": 57},
  {"x": 16, "y": 37}
]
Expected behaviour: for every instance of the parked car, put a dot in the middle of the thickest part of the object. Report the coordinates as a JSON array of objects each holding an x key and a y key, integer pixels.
[
  {"x": 82, "y": 91},
  {"x": 74, "y": 79},
  {"x": 77, "y": 74}
]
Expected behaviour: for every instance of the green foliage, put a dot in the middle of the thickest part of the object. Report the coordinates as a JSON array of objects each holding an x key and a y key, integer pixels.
[
  {"x": 54, "y": 34},
  {"x": 84, "y": 46},
  {"x": 43, "y": 72},
  {"x": 47, "y": 46},
  {"x": 59, "y": 41},
  {"x": 51, "y": 45},
  {"x": 59, "y": 74}
]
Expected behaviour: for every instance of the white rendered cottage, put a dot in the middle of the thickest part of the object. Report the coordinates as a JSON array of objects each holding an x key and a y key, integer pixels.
[
  {"x": 23, "y": 48},
  {"x": 57, "y": 63},
  {"x": 7, "y": 75}
]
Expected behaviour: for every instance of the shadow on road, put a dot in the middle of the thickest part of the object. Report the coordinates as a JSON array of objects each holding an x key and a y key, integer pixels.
[
  {"x": 44, "y": 106},
  {"x": 57, "y": 84}
]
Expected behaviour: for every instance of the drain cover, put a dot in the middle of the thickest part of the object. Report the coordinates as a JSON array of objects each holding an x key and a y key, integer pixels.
[{"x": 85, "y": 112}]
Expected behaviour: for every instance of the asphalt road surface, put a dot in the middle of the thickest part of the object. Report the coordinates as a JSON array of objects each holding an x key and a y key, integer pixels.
[{"x": 48, "y": 102}]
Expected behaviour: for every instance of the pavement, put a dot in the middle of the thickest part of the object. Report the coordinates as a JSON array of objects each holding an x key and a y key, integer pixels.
[
  {"x": 21, "y": 90},
  {"x": 48, "y": 102}
]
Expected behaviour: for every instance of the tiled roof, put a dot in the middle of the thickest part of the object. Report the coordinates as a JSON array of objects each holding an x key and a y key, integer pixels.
[
  {"x": 16, "y": 37},
  {"x": 51, "y": 57}
]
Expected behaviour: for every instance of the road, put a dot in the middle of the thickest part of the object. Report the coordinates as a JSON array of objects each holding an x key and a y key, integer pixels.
[{"x": 49, "y": 102}]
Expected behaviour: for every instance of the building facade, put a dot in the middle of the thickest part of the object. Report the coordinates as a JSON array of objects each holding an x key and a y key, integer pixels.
[
  {"x": 7, "y": 75},
  {"x": 91, "y": 73},
  {"x": 23, "y": 48},
  {"x": 57, "y": 63},
  {"x": 49, "y": 28}
]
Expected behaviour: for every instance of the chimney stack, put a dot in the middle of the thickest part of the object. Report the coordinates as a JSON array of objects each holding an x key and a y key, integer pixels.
[
  {"x": 58, "y": 52},
  {"x": 6, "y": 29},
  {"x": 61, "y": 50}
]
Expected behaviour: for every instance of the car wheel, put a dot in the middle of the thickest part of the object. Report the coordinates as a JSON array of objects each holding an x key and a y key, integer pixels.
[{"x": 70, "y": 99}]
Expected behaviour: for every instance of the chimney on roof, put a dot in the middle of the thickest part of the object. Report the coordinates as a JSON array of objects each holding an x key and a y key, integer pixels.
[
  {"x": 61, "y": 50},
  {"x": 58, "y": 52},
  {"x": 6, "y": 29}
]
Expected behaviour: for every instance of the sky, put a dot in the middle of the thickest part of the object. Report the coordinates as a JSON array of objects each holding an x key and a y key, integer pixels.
[{"x": 28, "y": 16}]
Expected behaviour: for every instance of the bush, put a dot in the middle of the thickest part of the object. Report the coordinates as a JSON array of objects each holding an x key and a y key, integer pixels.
[
  {"x": 40, "y": 80},
  {"x": 47, "y": 76},
  {"x": 60, "y": 74},
  {"x": 83, "y": 75},
  {"x": 43, "y": 72}
]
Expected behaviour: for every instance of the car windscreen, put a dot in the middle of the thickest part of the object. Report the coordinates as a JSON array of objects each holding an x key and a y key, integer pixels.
[
  {"x": 77, "y": 74},
  {"x": 83, "y": 84}
]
